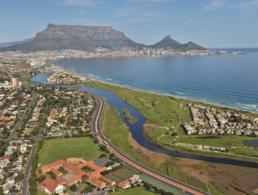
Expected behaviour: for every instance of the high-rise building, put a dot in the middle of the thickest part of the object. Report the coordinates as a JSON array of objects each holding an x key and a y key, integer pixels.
[{"x": 14, "y": 82}]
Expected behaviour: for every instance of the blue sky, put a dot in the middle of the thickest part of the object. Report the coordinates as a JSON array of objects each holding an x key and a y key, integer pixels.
[{"x": 210, "y": 23}]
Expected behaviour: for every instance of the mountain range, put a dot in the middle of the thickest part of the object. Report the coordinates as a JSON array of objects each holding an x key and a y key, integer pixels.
[
  {"x": 13, "y": 43},
  {"x": 87, "y": 38}
]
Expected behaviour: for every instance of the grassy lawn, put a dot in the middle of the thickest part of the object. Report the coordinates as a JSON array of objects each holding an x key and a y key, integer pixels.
[
  {"x": 24, "y": 79},
  {"x": 39, "y": 192},
  {"x": 55, "y": 149},
  {"x": 227, "y": 141},
  {"x": 246, "y": 151},
  {"x": 128, "y": 117},
  {"x": 134, "y": 191},
  {"x": 37, "y": 138}
]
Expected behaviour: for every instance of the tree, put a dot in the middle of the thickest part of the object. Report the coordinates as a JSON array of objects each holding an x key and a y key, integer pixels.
[
  {"x": 85, "y": 178},
  {"x": 174, "y": 134},
  {"x": 73, "y": 188},
  {"x": 41, "y": 178},
  {"x": 88, "y": 189},
  {"x": 102, "y": 156}
]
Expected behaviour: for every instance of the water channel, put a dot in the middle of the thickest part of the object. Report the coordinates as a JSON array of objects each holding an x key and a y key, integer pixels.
[{"x": 137, "y": 127}]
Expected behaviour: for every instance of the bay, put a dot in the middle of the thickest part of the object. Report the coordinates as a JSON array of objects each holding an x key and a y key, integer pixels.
[{"x": 228, "y": 80}]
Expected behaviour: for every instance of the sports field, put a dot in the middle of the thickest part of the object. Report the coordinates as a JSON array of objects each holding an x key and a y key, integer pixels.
[
  {"x": 127, "y": 172},
  {"x": 113, "y": 178},
  {"x": 55, "y": 149},
  {"x": 121, "y": 175}
]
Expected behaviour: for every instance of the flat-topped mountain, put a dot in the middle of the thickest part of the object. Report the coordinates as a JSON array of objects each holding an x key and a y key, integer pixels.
[
  {"x": 87, "y": 38},
  {"x": 166, "y": 43}
]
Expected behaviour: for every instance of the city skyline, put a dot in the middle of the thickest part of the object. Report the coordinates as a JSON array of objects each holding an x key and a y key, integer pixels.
[{"x": 212, "y": 24}]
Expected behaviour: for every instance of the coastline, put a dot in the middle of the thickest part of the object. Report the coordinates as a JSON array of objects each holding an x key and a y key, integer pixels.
[
  {"x": 173, "y": 96},
  {"x": 149, "y": 139}
]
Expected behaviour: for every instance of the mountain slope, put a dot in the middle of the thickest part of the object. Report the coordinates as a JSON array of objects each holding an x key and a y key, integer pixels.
[
  {"x": 57, "y": 37},
  {"x": 13, "y": 43},
  {"x": 191, "y": 46},
  {"x": 167, "y": 42}
]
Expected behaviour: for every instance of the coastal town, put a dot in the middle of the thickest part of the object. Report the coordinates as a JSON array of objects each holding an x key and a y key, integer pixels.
[
  {"x": 63, "y": 77},
  {"x": 34, "y": 116},
  {"x": 40, "y": 58},
  {"x": 209, "y": 121}
]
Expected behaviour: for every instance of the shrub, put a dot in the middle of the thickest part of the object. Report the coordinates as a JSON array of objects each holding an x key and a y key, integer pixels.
[{"x": 73, "y": 188}]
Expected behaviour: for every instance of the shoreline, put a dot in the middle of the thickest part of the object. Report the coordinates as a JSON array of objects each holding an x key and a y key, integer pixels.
[
  {"x": 149, "y": 139},
  {"x": 114, "y": 85}
]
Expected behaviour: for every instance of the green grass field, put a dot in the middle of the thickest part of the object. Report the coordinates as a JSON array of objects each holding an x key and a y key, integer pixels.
[
  {"x": 127, "y": 172},
  {"x": 160, "y": 185},
  {"x": 117, "y": 132},
  {"x": 55, "y": 149},
  {"x": 134, "y": 191},
  {"x": 39, "y": 192},
  {"x": 246, "y": 151},
  {"x": 113, "y": 178},
  {"x": 24, "y": 79},
  {"x": 121, "y": 175}
]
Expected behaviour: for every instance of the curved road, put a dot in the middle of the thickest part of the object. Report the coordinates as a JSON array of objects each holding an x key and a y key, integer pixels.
[{"x": 158, "y": 176}]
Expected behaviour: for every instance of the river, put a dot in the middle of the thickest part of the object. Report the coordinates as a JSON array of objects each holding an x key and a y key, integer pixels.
[{"x": 137, "y": 127}]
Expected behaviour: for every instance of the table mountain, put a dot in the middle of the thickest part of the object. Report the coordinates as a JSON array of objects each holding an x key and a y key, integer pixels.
[
  {"x": 57, "y": 37},
  {"x": 87, "y": 38}
]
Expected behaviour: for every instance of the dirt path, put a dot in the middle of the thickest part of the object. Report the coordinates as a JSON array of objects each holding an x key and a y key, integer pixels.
[
  {"x": 203, "y": 181},
  {"x": 180, "y": 120}
]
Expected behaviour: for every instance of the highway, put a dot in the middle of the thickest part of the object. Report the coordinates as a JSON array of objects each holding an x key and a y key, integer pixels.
[{"x": 132, "y": 163}]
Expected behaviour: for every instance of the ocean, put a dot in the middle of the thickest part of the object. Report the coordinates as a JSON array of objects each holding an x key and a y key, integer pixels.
[{"x": 227, "y": 80}]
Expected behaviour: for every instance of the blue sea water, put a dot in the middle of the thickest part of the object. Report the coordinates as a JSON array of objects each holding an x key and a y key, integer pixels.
[{"x": 228, "y": 80}]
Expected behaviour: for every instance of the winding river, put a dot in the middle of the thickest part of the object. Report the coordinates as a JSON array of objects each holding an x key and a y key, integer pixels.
[{"x": 137, "y": 127}]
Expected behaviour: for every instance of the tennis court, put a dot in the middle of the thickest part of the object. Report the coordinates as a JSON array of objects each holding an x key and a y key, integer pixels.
[
  {"x": 127, "y": 172},
  {"x": 113, "y": 178},
  {"x": 121, "y": 175}
]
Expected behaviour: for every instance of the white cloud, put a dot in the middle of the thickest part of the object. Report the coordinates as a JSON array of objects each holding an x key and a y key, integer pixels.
[
  {"x": 213, "y": 5},
  {"x": 82, "y": 3},
  {"x": 248, "y": 5}
]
